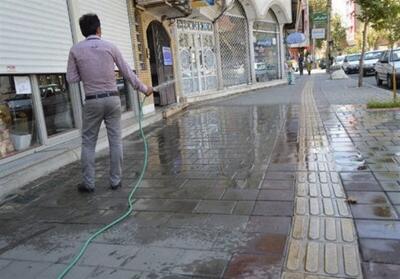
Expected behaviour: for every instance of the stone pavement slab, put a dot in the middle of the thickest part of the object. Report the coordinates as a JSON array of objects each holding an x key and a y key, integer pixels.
[{"x": 253, "y": 186}]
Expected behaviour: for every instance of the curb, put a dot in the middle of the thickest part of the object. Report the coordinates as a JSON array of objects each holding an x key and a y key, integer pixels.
[
  {"x": 227, "y": 92},
  {"x": 13, "y": 181}
]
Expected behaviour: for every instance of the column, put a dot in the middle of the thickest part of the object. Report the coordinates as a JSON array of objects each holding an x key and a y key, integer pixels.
[
  {"x": 282, "y": 51},
  {"x": 252, "y": 56}
]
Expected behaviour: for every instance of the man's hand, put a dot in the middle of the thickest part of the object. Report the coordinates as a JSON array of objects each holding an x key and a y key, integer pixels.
[{"x": 149, "y": 91}]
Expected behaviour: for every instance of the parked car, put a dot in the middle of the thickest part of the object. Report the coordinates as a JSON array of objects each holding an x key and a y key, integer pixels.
[
  {"x": 351, "y": 63},
  {"x": 370, "y": 59},
  {"x": 338, "y": 62},
  {"x": 384, "y": 67}
]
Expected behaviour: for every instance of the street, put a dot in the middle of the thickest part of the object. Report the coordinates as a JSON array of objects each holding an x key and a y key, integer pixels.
[
  {"x": 257, "y": 185},
  {"x": 370, "y": 80}
]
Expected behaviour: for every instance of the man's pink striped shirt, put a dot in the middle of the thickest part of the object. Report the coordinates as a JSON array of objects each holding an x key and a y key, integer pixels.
[{"x": 93, "y": 61}]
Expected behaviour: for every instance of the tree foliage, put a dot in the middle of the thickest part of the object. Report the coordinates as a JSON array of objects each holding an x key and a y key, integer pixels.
[
  {"x": 338, "y": 34},
  {"x": 373, "y": 37},
  {"x": 390, "y": 23},
  {"x": 370, "y": 12},
  {"x": 318, "y": 5}
]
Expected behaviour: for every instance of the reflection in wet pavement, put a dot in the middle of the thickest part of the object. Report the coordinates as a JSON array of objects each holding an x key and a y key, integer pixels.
[
  {"x": 218, "y": 196},
  {"x": 206, "y": 168}
]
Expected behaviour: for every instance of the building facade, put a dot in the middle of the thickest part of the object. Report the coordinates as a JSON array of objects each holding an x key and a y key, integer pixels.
[
  {"x": 38, "y": 109},
  {"x": 214, "y": 46},
  {"x": 194, "y": 49}
]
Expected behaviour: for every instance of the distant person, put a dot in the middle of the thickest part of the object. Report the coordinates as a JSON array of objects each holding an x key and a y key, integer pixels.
[
  {"x": 290, "y": 72},
  {"x": 93, "y": 61},
  {"x": 309, "y": 63},
  {"x": 301, "y": 63}
]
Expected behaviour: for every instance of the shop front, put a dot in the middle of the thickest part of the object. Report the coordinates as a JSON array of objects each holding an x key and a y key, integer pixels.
[
  {"x": 267, "y": 47},
  {"x": 197, "y": 57},
  {"x": 35, "y": 100},
  {"x": 233, "y": 39},
  {"x": 38, "y": 108}
]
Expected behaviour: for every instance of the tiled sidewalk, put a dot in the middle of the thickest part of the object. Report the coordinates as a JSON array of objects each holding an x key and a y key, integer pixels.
[
  {"x": 209, "y": 206},
  {"x": 218, "y": 197}
]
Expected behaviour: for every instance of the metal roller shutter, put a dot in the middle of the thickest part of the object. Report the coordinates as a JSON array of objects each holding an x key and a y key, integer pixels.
[
  {"x": 114, "y": 19},
  {"x": 234, "y": 46},
  {"x": 35, "y": 36}
]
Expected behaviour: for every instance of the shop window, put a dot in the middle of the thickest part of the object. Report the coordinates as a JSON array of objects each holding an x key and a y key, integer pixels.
[
  {"x": 123, "y": 91},
  {"x": 266, "y": 51},
  {"x": 17, "y": 120},
  {"x": 56, "y": 102}
]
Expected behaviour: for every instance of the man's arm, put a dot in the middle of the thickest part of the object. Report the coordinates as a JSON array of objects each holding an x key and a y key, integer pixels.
[
  {"x": 72, "y": 70},
  {"x": 128, "y": 74}
]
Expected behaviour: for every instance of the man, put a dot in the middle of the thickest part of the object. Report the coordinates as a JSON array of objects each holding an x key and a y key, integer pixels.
[
  {"x": 309, "y": 63},
  {"x": 301, "y": 63},
  {"x": 92, "y": 62}
]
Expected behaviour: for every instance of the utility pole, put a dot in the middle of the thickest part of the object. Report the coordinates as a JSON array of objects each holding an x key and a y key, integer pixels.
[{"x": 328, "y": 37}]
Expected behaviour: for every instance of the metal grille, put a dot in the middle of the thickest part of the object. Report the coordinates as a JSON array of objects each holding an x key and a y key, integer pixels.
[
  {"x": 197, "y": 57},
  {"x": 234, "y": 49}
]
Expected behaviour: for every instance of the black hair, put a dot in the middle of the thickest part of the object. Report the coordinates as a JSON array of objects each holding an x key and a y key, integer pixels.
[{"x": 89, "y": 24}]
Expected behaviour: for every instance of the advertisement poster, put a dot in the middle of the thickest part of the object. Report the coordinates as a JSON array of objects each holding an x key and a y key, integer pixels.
[
  {"x": 167, "y": 56},
  {"x": 22, "y": 85}
]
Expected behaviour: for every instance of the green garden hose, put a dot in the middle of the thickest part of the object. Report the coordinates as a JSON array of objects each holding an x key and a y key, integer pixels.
[{"x": 130, "y": 202}]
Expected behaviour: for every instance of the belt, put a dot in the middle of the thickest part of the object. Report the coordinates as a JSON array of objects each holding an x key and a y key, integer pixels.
[{"x": 102, "y": 95}]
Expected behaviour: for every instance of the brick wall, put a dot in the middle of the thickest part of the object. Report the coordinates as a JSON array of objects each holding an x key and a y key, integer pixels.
[{"x": 140, "y": 21}]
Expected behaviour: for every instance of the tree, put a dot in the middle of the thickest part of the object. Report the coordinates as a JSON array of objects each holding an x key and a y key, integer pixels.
[
  {"x": 317, "y": 5},
  {"x": 338, "y": 34},
  {"x": 370, "y": 12},
  {"x": 356, "y": 48},
  {"x": 373, "y": 37},
  {"x": 390, "y": 25}
]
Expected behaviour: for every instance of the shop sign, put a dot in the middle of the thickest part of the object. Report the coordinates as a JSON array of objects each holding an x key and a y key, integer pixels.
[
  {"x": 11, "y": 68},
  {"x": 194, "y": 25},
  {"x": 167, "y": 56},
  {"x": 320, "y": 17},
  {"x": 22, "y": 85},
  {"x": 264, "y": 42},
  {"x": 296, "y": 38},
  {"x": 318, "y": 33}
]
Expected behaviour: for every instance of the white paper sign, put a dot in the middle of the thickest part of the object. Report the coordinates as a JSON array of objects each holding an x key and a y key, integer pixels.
[{"x": 22, "y": 85}]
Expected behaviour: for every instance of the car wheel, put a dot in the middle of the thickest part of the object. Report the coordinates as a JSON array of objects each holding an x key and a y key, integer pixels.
[
  {"x": 389, "y": 82},
  {"x": 378, "y": 80}
]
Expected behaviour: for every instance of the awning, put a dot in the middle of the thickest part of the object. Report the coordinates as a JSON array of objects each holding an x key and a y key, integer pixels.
[{"x": 295, "y": 38}]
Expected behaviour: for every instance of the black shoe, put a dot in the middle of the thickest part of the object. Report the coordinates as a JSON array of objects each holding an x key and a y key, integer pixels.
[
  {"x": 84, "y": 189},
  {"x": 115, "y": 187}
]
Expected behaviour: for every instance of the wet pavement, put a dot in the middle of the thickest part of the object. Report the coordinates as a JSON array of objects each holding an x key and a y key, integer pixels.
[{"x": 224, "y": 193}]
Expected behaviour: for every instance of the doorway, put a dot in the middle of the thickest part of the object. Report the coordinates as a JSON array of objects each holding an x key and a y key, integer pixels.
[{"x": 161, "y": 63}]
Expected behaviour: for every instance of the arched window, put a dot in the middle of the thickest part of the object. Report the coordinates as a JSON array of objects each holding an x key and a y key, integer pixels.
[{"x": 234, "y": 46}]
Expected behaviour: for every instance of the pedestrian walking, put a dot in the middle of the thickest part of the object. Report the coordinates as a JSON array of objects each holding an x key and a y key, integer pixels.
[
  {"x": 309, "y": 63},
  {"x": 93, "y": 61},
  {"x": 301, "y": 63},
  {"x": 290, "y": 72}
]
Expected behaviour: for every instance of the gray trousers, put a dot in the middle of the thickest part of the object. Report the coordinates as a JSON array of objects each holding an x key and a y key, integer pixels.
[{"x": 94, "y": 112}]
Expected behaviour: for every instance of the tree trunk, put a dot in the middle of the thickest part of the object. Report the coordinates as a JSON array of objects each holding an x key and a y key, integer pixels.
[
  {"x": 393, "y": 73},
  {"x": 361, "y": 70}
]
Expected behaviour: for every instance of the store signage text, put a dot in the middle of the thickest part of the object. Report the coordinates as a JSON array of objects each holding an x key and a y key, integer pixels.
[{"x": 194, "y": 25}]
